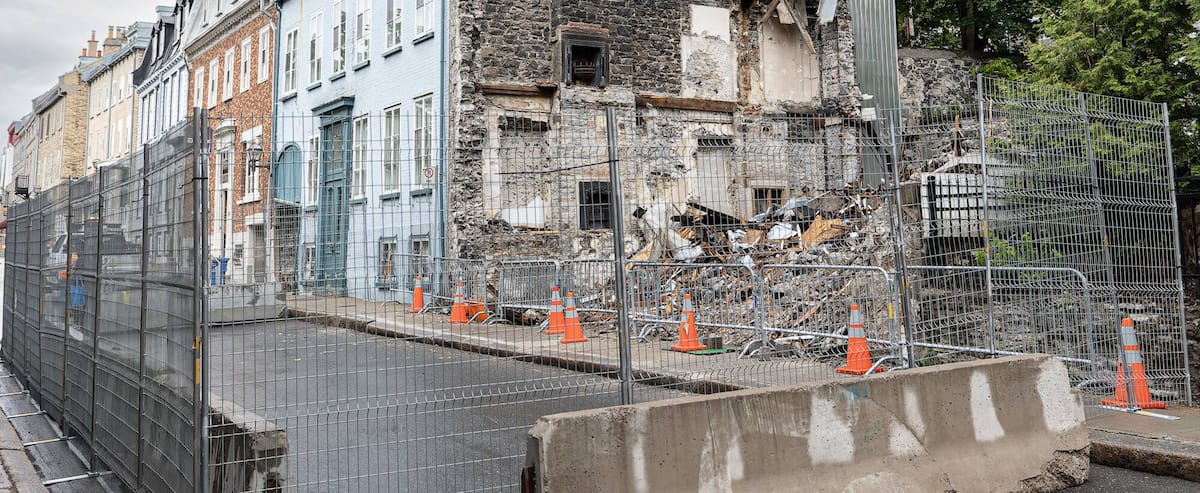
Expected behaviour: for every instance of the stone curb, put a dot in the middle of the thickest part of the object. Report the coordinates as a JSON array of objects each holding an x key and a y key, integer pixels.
[
  {"x": 580, "y": 362},
  {"x": 1157, "y": 456}
]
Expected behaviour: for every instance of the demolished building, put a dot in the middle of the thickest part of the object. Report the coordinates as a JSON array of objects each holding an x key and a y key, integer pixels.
[{"x": 724, "y": 113}]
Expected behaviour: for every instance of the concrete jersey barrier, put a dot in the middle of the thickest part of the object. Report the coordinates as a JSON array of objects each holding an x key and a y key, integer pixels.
[{"x": 1007, "y": 424}]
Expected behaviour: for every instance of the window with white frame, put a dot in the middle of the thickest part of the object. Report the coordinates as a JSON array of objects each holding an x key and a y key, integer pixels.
[
  {"x": 289, "y": 61},
  {"x": 251, "y": 185},
  {"x": 385, "y": 266},
  {"x": 309, "y": 271},
  {"x": 418, "y": 258},
  {"x": 362, "y": 31},
  {"x": 423, "y": 140},
  {"x": 425, "y": 17},
  {"x": 314, "y": 47},
  {"x": 198, "y": 94},
  {"x": 244, "y": 73},
  {"x": 224, "y": 161},
  {"x": 358, "y": 167},
  {"x": 264, "y": 54},
  {"x": 313, "y": 170},
  {"x": 391, "y": 148},
  {"x": 339, "y": 37},
  {"x": 227, "y": 85},
  {"x": 393, "y": 23},
  {"x": 214, "y": 74}
]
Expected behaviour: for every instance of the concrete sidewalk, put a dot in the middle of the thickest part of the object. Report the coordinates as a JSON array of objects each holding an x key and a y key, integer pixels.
[
  {"x": 1129, "y": 441},
  {"x": 1144, "y": 443},
  {"x": 17, "y": 473}
]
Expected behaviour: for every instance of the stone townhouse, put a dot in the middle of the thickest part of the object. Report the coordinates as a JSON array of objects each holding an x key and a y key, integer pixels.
[
  {"x": 229, "y": 45},
  {"x": 112, "y": 105},
  {"x": 161, "y": 80},
  {"x": 61, "y": 114},
  {"x": 734, "y": 106},
  {"x": 360, "y": 84}
]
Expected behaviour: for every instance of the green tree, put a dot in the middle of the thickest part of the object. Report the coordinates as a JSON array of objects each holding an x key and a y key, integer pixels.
[
  {"x": 998, "y": 26},
  {"x": 1138, "y": 49}
]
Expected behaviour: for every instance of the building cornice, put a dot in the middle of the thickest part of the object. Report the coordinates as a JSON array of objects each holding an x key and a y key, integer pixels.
[{"x": 228, "y": 23}]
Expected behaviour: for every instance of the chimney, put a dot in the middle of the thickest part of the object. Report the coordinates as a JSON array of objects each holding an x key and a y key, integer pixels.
[
  {"x": 111, "y": 43},
  {"x": 91, "y": 46}
]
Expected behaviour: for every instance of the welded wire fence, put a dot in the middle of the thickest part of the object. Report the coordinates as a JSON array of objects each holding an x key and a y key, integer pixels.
[{"x": 1010, "y": 225}]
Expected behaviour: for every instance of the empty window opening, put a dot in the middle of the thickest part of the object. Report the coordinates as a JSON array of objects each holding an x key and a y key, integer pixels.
[
  {"x": 584, "y": 61},
  {"x": 594, "y": 205},
  {"x": 764, "y": 198}
]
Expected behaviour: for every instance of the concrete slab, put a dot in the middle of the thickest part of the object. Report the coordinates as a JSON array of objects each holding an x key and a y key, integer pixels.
[{"x": 1013, "y": 424}]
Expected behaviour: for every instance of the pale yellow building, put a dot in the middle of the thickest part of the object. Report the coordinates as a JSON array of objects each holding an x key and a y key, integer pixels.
[{"x": 112, "y": 104}]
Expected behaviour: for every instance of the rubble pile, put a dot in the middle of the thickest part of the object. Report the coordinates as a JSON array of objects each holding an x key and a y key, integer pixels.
[{"x": 849, "y": 227}]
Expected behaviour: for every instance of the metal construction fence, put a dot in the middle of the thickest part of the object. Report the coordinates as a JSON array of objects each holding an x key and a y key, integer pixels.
[
  {"x": 104, "y": 313},
  {"x": 1029, "y": 221}
]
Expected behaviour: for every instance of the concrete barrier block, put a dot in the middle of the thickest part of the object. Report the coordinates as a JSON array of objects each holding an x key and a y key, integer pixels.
[
  {"x": 248, "y": 452},
  {"x": 1007, "y": 424}
]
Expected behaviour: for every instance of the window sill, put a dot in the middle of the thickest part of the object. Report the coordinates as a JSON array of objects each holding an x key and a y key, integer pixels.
[
  {"x": 422, "y": 38},
  {"x": 390, "y": 196},
  {"x": 338, "y": 75},
  {"x": 392, "y": 51},
  {"x": 358, "y": 201},
  {"x": 287, "y": 97},
  {"x": 249, "y": 199},
  {"x": 312, "y": 86},
  {"x": 310, "y": 208},
  {"x": 386, "y": 284},
  {"x": 361, "y": 65},
  {"x": 421, "y": 192}
]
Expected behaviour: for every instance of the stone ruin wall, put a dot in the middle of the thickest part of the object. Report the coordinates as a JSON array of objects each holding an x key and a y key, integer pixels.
[{"x": 654, "y": 50}]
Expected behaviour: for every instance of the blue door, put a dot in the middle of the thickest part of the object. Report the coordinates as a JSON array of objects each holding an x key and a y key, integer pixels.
[{"x": 333, "y": 221}]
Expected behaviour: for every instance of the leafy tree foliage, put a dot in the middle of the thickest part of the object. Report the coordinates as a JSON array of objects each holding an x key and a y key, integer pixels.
[
  {"x": 1138, "y": 49},
  {"x": 998, "y": 26}
]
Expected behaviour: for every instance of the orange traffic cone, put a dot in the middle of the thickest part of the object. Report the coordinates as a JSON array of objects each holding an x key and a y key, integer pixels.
[
  {"x": 418, "y": 301},
  {"x": 573, "y": 330},
  {"x": 688, "y": 339},
  {"x": 1141, "y": 388},
  {"x": 458, "y": 312},
  {"x": 558, "y": 320},
  {"x": 858, "y": 355}
]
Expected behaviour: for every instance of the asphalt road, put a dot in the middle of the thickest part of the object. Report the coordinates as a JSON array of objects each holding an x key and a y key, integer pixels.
[
  {"x": 1104, "y": 479},
  {"x": 370, "y": 413}
]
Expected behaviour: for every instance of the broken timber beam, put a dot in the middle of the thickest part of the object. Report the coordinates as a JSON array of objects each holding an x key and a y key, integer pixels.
[{"x": 694, "y": 104}]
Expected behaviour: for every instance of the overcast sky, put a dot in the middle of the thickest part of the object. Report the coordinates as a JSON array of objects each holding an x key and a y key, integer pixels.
[{"x": 41, "y": 39}]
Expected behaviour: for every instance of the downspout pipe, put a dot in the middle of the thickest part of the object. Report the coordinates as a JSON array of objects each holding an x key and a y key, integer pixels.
[{"x": 444, "y": 130}]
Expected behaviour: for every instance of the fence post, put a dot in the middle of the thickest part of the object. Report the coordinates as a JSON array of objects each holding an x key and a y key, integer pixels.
[
  {"x": 983, "y": 217},
  {"x": 618, "y": 218},
  {"x": 68, "y": 267},
  {"x": 97, "y": 185},
  {"x": 199, "y": 140},
  {"x": 1170, "y": 172},
  {"x": 901, "y": 291},
  {"x": 144, "y": 179}
]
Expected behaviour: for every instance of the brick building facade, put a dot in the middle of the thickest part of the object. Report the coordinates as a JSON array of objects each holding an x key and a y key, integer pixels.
[{"x": 230, "y": 49}]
